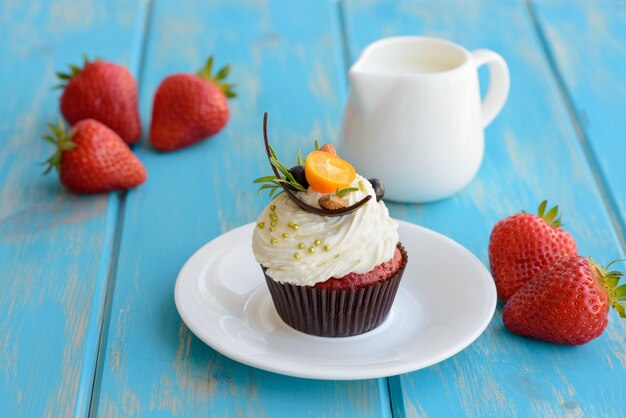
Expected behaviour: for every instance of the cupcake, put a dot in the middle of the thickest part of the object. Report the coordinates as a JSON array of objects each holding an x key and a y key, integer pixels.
[{"x": 327, "y": 246}]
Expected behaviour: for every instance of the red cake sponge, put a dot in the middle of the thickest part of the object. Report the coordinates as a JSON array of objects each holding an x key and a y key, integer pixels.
[{"x": 381, "y": 273}]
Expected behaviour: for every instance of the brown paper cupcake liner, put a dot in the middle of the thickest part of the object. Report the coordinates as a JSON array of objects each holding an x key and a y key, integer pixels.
[{"x": 335, "y": 312}]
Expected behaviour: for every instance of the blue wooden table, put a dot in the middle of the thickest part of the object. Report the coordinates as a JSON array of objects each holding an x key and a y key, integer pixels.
[{"x": 88, "y": 325}]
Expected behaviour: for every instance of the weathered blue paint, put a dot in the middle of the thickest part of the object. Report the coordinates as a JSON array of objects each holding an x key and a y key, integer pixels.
[
  {"x": 587, "y": 45},
  {"x": 55, "y": 247},
  {"x": 531, "y": 153}
]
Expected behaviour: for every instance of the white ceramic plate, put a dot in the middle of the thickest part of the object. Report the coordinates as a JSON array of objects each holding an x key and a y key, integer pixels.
[{"x": 445, "y": 301}]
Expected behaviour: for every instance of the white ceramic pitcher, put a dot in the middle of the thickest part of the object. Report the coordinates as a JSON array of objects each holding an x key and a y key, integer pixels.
[{"x": 414, "y": 117}]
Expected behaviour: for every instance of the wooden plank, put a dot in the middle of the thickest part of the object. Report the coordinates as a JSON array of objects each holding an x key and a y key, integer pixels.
[
  {"x": 55, "y": 247},
  {"x": 283, "y": 60},
  {"x": 532, "y": 153},
  {"x": 587, "y": 46}
]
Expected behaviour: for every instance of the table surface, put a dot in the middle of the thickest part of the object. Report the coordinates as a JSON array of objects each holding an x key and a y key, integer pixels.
[{"x": 88, "y": 324}]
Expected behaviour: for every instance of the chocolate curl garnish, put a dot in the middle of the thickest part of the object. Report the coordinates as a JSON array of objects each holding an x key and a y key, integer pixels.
[{"x": 303, "y": 205}]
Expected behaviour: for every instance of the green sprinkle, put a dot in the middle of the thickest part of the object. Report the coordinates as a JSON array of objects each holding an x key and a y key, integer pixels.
[
  {"x": 285, "y": 235},
  {"x": 326, "y": 247},
  {"x": 273, "y": 216},
  {"x": 361, "y": 186},
  {"x": 272, "y": 223},
  {"x": 301, "y": 245},
  {"x": 296, "y": 256},
  {"x": 272, "y": 229},
  {"x": 312, "y": 250},
  {"x": 317, "y": 242},
  {"x": 273, "y": 208},
  {"x": 274, "y": 240},
  {"x": 294, "y": 227},
  {"x": 261, "y": 225}
]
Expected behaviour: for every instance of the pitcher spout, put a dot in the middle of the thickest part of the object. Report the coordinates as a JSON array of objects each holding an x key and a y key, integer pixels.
[{"x": 367, "y": 89}]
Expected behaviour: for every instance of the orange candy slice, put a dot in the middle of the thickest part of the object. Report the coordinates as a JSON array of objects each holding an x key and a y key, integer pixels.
[{"x": 326, "y": 173}]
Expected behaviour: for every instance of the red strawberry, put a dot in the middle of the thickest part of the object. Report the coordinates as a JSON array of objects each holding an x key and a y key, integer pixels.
[
  {"x": 567, "y": 304},
  {"x": 105, "y": 92},
  {"x": 190, "y": 107},
  {"x": 523, "y": 244},
  {"x": 91, "y": 158}
]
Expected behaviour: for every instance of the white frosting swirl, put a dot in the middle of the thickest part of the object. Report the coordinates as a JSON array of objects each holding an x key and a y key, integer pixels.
[{"x": 356, "y": 242}]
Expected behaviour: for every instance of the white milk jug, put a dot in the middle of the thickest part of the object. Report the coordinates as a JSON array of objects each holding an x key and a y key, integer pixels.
[{"x": 414, "y": 117}]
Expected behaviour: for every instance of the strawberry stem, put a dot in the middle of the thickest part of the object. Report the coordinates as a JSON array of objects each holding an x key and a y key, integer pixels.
[
  {"x": 610, "y": 280},
  {"x": 552, "y": 216},
  {"x": 74, "y": 70},
  {"x": 218, "y": 79},
  {"x": 62, "y": 140}
]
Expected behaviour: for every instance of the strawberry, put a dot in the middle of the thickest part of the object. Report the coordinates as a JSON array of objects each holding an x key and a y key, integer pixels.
[
  {"x": 568, "y": 303},
  {"x": 190, "y": 107},
  {"x": 91, "y": 158},
  {"x": 105, "y": 92},
  {"x": 524, "y": 244}
]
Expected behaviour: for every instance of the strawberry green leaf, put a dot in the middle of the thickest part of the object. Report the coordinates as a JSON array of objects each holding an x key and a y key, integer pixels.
[
  {"x": 54, "y": 129},
  {"x": 611, "y": 281},
  {"x": 67, "y": 145},
  {"x": 206, "y": 73},
  {"x": 228, "y": 90},
  {"x": 608, "y": 266},
  {"x": 542, "y": 208},
  {"x": 223, "y": 73},
  {"x": 557, "y": 222},
  {"x": 62, "y": 141},
  {"x": 65, "y": 77},
  {"x": 551, "y": 215},
  {"x": 620, "y": 292}
]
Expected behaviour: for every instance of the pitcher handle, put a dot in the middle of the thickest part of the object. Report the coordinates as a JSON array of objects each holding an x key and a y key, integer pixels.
[{"x": 499, "y": 83}]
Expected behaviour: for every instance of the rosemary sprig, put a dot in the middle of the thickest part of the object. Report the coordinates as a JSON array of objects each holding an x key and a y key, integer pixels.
[
  {"x": 273, "y": 183},
  {"x": 291, "y": 195}
]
